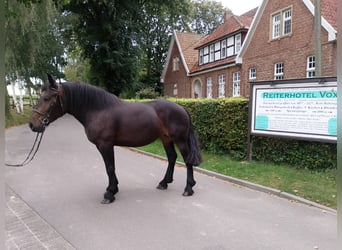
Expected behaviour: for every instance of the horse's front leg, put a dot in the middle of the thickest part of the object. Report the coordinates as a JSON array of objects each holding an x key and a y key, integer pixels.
[{"x": 107, "y": 153}]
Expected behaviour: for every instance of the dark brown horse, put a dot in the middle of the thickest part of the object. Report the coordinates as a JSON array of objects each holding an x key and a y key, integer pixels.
[{"x": 109, "y": 121}]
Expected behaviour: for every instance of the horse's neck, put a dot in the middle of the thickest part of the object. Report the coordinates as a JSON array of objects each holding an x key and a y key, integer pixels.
[{"x": 76, "y": 110}]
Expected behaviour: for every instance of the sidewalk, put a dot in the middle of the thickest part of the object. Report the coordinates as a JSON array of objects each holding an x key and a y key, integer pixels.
[{"x": 25, "y": 229}]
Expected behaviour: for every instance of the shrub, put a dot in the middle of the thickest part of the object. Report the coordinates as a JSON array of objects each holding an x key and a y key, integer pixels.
[{"x": 222, "y": 127}]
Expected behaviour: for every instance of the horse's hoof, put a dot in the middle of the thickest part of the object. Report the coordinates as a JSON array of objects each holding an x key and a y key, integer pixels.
[
  {"x": 108, "y": 201},
  {"x": 188, "y": 193},
  {"x": 108, "y": 197},
  {"x": 162, "y": 186}
]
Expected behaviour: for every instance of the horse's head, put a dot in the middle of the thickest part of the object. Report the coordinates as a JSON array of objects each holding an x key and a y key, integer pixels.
[{"x": 49, "y": 107}]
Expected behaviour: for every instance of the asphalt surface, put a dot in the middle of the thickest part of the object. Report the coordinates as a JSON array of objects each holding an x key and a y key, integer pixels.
[{"x": 54, "y": 203}]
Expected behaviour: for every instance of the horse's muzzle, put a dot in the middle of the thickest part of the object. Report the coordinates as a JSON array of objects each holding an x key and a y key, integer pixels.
[{"x": 39, "y": 128}]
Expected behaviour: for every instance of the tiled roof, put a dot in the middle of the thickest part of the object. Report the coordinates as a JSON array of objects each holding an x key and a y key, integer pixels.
[
  {"x": 233, "y": 24},
  {"x": 329, "y": 12},
  {"x": 187, "y": 43}
]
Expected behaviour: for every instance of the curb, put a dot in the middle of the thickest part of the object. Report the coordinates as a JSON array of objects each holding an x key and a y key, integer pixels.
[{"x": 247, "y": 184}]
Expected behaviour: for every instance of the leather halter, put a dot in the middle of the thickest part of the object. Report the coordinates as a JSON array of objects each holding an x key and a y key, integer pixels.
[{"x": 45, "y": 116}]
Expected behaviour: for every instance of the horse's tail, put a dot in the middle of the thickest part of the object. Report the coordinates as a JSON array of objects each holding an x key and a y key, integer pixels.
[{"x": 194, "y": 158}]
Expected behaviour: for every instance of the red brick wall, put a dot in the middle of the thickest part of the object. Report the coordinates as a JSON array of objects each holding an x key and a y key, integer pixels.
[
  {"x": 176, "y": 77},
  {"x": 228, "y": 72},
  {"x": 293, "y": 50}
]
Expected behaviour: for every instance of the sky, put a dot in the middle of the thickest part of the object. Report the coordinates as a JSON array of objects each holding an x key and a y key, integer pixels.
[{"x": 239, "y": 7}]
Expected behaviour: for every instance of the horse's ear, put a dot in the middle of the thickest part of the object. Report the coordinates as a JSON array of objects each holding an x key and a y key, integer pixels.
[{"x": 52, "y": 81}]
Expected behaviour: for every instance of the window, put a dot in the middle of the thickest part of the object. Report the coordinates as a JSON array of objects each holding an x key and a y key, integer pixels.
[
  {"x": 237, "y": 43},
  {"x": 230, "y": 46},
  {"x": 222, "y": 83},
  {"x": 223, "y": 48},
  {"x": 209, "y": 87},
  {"x": 212, "y": 53},
  {"x": 220, "y": 49},
  {"x": 281, "y": 23},
  {"x": 201, "y": 56},
  {"x": 175, "y": 66},
  {"x": 217, "y": 51},
  {"x": 287, "y": 16},
  {"x": 310, "y": 66},
  {"x": 276, "y": 26},
  {"x": 279, "y": 71},
  {"x": 236, "y": 83},
  {"x": 175, "y": 90},
  {"x": 252, "y": 74}
]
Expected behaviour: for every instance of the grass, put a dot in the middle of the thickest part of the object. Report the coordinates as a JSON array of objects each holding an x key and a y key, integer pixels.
[
  {"x": 319, "y": 186},
  {"x": 316, "y": 186},
  {"x": 17, "y": 119}
]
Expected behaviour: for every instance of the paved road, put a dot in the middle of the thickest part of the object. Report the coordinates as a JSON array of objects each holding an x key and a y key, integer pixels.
[{"x": 65, "y": 182}]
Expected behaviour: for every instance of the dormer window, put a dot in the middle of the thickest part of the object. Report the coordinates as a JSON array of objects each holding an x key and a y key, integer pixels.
[
  {"x": 237, "y": 43},
  {"x": 220, "y": 49}
]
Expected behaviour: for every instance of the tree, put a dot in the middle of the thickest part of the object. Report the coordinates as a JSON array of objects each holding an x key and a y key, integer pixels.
[
  {"x": 206, "y": 16},
  {"x": 157, "y": 21},
  {"x": 103, "y": 30},
  {"x": 126, "y": 41},
  {"x": 33, "y": 44},
  {"x": 119, "y": 36}
]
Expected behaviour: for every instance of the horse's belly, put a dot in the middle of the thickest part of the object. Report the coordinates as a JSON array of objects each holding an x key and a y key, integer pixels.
[{"x": 135, "y": 135}]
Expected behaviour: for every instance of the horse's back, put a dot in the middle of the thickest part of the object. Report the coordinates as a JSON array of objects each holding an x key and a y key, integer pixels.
[{"x": 169, "y": 111}]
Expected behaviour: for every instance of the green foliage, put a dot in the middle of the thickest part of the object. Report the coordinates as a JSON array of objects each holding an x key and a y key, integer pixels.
[
  {"x": 302, "y": 154},
  {"x": 222, "y": 127},
  {"x": 33, "y": 43},
  {"x": 126, "y": 41},
  {"x": 221, "y": 124},
  {"x": 147, "y": 93},
  {"x": 206, "y": 16}
]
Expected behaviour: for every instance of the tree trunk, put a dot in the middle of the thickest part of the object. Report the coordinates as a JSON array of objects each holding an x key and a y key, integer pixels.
[{"x": 14, "y": 96}]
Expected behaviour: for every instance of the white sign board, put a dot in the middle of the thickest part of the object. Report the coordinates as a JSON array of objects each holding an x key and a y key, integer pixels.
[{"x": 297, "y": 109}]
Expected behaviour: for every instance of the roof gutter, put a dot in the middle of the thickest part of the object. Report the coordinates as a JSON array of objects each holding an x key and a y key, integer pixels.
[{"x": 212, "y": 69}]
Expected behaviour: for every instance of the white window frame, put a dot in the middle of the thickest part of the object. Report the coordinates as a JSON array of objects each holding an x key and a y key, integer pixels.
[
  {"x": 211, "y": 52},
  {"x": 175, "y": 64},
  {"x": 276, "y": 25},
  {"x": 279, "y": 71},
  {"x": 252, "y": 74},
  {"x": 230, "y": 46},
  {"x": 287, "y": 22},
  {"x": 201, "y": 56},
  {"x": 237, "y": 43},
  {"x": 223, "y": 49},
  {"x": 310, "y": 66},
  {"x": 236, "y": 83},
  {"x": 281, "y": 23},
  {"x": 221, "y": 85},
  {"x": 209, "y": 87},
  {"x": 175, "y": 90}
]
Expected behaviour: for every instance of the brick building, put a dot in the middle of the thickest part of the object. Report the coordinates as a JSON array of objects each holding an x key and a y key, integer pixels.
[{"x": 274, "y": 41}]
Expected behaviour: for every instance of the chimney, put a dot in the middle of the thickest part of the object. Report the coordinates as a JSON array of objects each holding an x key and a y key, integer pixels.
[{"x": 227, "y": 15}]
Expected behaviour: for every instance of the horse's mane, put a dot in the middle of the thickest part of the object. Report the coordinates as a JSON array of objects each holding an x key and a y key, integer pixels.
[{"x": 86, "y": 96}]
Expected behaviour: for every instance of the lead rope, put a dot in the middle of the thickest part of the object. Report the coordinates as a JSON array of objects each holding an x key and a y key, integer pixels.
[{"x": 31, "y": 155}]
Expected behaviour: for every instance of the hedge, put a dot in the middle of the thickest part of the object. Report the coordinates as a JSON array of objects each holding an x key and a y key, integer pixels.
[{"x": 222, "y": 128}]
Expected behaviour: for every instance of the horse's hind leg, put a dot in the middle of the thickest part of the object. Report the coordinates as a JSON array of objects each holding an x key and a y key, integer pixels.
[
  {"x": 171, "y": 157},
  {"x": 190, "y": 181}
]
